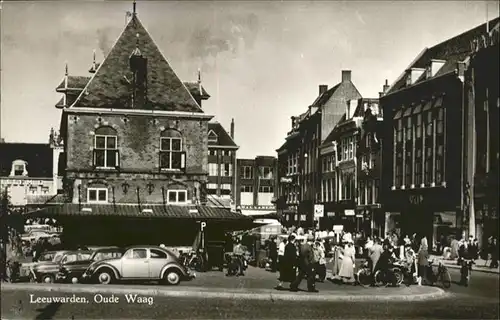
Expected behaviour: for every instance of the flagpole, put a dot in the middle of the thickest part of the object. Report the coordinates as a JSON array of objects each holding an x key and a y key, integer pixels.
[{"x": 487, "y": 22}]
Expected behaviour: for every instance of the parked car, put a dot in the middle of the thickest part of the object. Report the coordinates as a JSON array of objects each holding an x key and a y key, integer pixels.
[
  {"x": 73, "y": 271},
  {"x": 47, "y": 271},
  {"x": 145, "y": 263}
]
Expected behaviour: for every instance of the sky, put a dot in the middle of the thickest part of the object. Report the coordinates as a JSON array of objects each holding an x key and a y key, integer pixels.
[{"x": 261, "y": 62}]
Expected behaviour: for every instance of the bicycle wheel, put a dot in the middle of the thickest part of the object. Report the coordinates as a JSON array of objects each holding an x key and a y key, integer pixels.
[
  {"x": 379, "y": 278},
  {"x": 365, "y": 277},
  {"x": 445, "y": 278},
  {"x": 398, "y": 274}
]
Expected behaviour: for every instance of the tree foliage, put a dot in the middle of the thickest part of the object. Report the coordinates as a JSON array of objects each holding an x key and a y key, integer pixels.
[{"x": 12, "y": 222}]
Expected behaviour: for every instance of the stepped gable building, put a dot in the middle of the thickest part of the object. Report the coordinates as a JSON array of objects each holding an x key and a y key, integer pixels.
[
  {"x": 136, "y": 151},
  {"x": 425, "y": 187},
  {"x": 221, "y": 165},
  {"x": 299, "y": 170}
]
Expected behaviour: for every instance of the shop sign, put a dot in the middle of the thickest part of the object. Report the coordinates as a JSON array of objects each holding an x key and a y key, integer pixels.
[
  {"x": 286, "y": 180},
  {"x": 20, "y": 182},
  {"x": 330, "y": 214},
  {"x": 349, "y": 212},
  {"x": 416, "y": 199},
  {"x": 338, "y": 228},
  {"x": 319, "y": 211},
  {"x": 485, "y": 41}
]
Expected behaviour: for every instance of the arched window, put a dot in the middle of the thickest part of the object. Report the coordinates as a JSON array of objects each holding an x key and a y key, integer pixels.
[
  {"x": 172, "y": 155},
  {"x": 106, "y": 148}
]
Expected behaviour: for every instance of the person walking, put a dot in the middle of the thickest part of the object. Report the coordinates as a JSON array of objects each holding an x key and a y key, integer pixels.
[
  {"x": 422, "y": 257},
  {"x": 348, "y": 261},
  {"x": 273, "y": 253},
  {"x": 281, "y": 251},
  {"x": 494, "y": 253},
  {"x": 306, "y": 267},
  {"x": 321, "y": 261},
  {"x": 375, "y": 253},
  {"x": 288, "y": 263}
]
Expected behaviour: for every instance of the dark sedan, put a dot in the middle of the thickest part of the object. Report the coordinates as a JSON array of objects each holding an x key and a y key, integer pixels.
[
  {"x": 47, "y": 271},
  {"x": 72, "y": 271}
]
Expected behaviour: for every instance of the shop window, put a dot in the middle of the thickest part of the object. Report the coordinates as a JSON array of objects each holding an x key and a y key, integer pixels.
[
  {"x": 408, "y": 129},
  {"x": 428, "y": 166},
  {"x": 369, "y": 192},
  {"x": 362, "y": 193},
  {"x": 399, "y": 130},
  {"x": 418, "y": 167},
  {"x": 399, "y": 168}
]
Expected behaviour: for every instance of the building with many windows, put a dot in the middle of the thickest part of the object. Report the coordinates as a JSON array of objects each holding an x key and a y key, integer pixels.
[
  {"x": 424, "y": 186},
  {"x": 136, "y": 151},
  {"x": 299, "y": 166},
  {"x": 482, "y": 102},
  {"x": 221, "y": 165},
  {"x": 29, "y": 172},
  {"x": 340, "y": 183},
  {"x": 256, "y": 185}
]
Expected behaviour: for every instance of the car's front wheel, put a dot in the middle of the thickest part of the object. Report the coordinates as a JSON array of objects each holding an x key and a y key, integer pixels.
[
  {"x": 48, "y": 278},
  {"x": 172, "y": 277},
  {"x": 105, "y": 277}
]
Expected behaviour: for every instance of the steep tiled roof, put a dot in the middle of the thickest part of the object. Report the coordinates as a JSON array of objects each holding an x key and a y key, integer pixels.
[
  {"x": 74, "y": 82},
  {"x": 223, "y": 138},
  {"x": 37, "y": 155},
  {"x": 452, "y": 51},
  {"x": 110, "y": 85},
  {"x": 158, "y": 211},
  {"x": 193, "y": 87}
]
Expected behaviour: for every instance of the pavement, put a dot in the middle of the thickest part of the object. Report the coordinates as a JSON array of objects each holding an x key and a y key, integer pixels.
[
  {"x": 480, "y": 266},
  {"x": 214, "y": 296}
]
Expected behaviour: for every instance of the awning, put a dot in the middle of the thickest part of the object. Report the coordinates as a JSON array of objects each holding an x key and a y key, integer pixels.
[{"x": 136, "y": 211}]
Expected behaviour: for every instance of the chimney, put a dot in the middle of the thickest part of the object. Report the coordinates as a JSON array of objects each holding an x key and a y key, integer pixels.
[
  {"x": 346, "y": 75},
  {"x": 323, "y": 88},
  {"x": 293, "y": 121},
  {"x": 232, "y": 128}
]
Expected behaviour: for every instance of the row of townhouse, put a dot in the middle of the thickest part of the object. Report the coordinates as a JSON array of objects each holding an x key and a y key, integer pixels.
[{"x": 408, "y": 161}]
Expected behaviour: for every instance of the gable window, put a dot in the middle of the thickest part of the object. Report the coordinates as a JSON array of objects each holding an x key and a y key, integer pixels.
[
  {"x": 177, "y": 196},
  {"x": 106, "y": 148},
  {"x": 246, "y": 172},
  {"x": 212, "y": 136},
  {"x": 172, "y": 156},
  {"x": 97, "y": 195},
  {"x": 19, "y": 168}
]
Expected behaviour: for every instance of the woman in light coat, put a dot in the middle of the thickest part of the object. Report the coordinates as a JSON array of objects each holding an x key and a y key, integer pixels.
[
  {"x": 422, "y": 257},
  {"x": 347, "y": 266}
]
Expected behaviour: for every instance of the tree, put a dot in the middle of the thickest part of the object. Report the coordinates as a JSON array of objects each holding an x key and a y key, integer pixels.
[{"x": 12, "y": 222}]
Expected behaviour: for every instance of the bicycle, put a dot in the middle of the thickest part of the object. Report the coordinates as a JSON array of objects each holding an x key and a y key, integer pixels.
[
  {"x": 365, "y": 275},
  {"x": 393, "y": 276},
  {"x": 442, "y": 274}
]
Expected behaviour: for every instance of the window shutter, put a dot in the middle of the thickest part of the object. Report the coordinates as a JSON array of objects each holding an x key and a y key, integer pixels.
[{"x": 183, "y": 160}]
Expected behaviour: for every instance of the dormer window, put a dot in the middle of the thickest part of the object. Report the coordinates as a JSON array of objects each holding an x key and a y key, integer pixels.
[
  {"x": 212, "y": 136},
  {"x": 19, "y": 168}
]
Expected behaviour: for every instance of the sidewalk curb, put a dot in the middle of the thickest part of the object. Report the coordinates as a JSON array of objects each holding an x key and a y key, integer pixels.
[{"x": 264, "y": 295}]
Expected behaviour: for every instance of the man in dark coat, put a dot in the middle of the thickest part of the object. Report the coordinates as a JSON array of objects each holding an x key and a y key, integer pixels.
[
  {"x": 306, "y": 264},
  {"x": 273, "y": 253},
  {"x": 288, "y": 263}
]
